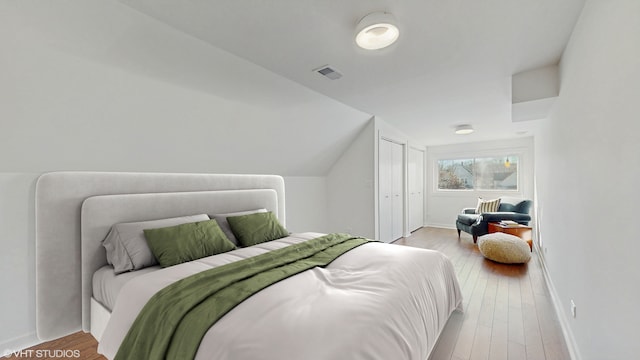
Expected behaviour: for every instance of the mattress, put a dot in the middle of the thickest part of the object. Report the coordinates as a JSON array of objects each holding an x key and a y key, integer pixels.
[
  {"x": 107, "y": 285},
  {"x": 377, "y": 302}
]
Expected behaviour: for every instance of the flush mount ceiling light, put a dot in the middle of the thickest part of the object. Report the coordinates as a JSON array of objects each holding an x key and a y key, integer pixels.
[
  {"x": 376, "y": 31},
  {"x": 464, "y": 129}
]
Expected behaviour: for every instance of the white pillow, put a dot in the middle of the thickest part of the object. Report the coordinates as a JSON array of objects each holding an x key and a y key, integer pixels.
[
  {"x": 127, "y": 248},
  {"x": 487, "y": 206}
]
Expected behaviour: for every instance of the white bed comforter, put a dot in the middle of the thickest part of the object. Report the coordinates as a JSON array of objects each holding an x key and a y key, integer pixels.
[{"x": 378, "y": 301}]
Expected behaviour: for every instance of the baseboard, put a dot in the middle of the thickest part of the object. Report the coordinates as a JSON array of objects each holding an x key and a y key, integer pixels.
[
  {"x": 10, "y": 346},
  {"x": 442, "y": 226},
  {"x": 562, "y": 316}
]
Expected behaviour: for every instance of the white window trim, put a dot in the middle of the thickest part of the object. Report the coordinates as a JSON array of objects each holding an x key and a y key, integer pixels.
[{"x": 520, "y": 153}]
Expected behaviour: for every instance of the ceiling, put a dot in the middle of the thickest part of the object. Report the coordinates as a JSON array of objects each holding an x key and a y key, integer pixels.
[{"x": 451, "y": 65}]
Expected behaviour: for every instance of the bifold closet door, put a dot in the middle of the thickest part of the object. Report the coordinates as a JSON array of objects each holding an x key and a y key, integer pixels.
[
  {"x": 391, "y": 199},
  {"x": 397, "y": 183},
  {"x": 416, "y": 189}
]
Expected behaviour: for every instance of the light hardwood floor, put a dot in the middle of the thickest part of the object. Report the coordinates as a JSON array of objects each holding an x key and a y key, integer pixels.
[{"x": 508, "y": 312}]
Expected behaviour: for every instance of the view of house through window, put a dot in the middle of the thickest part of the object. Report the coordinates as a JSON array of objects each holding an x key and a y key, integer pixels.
[{"x": 482, "y": 173}]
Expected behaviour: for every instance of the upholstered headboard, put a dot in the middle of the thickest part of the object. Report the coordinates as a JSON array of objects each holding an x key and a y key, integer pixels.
[{"x": 60, "y": 258}]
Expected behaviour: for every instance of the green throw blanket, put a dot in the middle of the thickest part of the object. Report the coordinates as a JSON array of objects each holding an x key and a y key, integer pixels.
[{"x": 174, "y": 321}]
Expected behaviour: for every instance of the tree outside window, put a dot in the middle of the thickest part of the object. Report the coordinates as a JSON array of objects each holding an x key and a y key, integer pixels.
[{"x": 485, "y": 173}]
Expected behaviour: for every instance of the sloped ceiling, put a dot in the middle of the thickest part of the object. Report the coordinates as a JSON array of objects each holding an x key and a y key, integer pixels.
[
  {"x": 97, "y": 85},
  {"x": 452, "y": 64}
]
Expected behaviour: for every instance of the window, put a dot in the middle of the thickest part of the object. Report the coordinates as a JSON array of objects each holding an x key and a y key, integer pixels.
[{"x": 482, "y": 173}]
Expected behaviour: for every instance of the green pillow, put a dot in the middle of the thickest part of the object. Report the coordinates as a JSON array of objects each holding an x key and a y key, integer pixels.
[
  {"x": 181, "y": 243},
  {"x": 256, "y": 228}
]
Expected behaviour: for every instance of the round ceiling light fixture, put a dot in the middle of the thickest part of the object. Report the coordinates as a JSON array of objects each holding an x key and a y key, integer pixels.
[
  {"x": 376, "y": 31},
  {"x": 465, "y": 129}
]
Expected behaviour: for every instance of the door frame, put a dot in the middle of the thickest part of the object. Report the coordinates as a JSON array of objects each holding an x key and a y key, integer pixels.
[{"x": 405, "y": 229}]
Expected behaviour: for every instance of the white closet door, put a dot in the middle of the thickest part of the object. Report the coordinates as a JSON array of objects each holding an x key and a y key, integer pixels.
[
  {"x": 385, "y": 195},
  {"x": 391, "y": 190},
  {"x": 397, "y": 157},
  {"x": 416, "y": 188}
]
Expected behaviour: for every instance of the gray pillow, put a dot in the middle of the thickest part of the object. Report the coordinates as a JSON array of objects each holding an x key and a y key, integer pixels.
[
  {"x": 127, "y": 248},
  {"x": 224, "y": 224}
]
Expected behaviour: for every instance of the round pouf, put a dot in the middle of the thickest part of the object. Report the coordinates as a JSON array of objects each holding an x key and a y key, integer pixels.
[{"x": 504, "y": 248}]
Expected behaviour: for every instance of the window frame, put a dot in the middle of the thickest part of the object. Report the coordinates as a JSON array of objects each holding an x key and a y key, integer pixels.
[{"x": 478, "y": 155}]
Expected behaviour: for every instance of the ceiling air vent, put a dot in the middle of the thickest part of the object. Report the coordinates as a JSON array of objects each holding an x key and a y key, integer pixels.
[{"x": 328, "y": 72}]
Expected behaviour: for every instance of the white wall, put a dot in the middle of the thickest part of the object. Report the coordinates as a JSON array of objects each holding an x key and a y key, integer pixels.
[
  {"x": 536, "y": 84},
  {"x": 587, "y": 167},
  {"x": 307, "y": 203},
  {"x": 443, "y": 207},
  {"x": 352, "y": 183},
  {"x": 95, "y": 85},
  {"x": 17, "y": 260},
  {"x": 350, "y": 188}
]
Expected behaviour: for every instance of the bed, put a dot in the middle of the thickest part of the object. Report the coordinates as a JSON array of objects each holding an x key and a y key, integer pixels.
[{"x": 376, "y": 301}]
